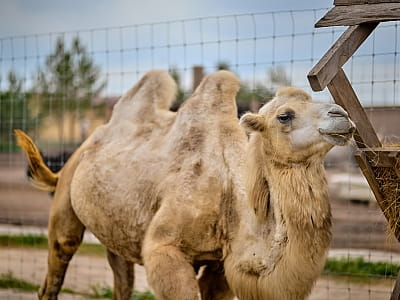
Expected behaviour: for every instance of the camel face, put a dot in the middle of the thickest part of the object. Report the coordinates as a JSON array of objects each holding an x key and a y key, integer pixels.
[
  {"x": 295, "y": 129},
  {"x": 335, "y": 126}
]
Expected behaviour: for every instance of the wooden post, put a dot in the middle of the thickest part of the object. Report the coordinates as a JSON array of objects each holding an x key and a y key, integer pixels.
[
  {"x": 344, "y": 95},
  {"x": 396, "y": 289},
  {"x": 338, "y": 55},
  {"x": 362, "y": 16},
  {"x": 198, "y": 75},
  {"x": 347, "y": 15}
]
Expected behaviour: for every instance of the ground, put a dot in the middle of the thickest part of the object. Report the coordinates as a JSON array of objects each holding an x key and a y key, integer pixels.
[
  {"x": 355, "y": 226},
  {"x": 87, "y": 271}
]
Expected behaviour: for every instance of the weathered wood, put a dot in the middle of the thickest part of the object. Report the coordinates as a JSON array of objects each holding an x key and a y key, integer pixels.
[
  {"x": 396, "y": 290},
  {"x": 382, "y": 157},
  {"x": 370, "y": 176},
  {"x": 355, "y": 2},
  {"x": 348, "y": 43},
  {"x": 198, "y": 74},
  {"x": 344, "y": 95},
  {"x": 358, "y": 14}
]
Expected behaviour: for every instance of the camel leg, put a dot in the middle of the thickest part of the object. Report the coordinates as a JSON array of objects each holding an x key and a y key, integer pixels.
[
  {"x": 65, "y": 236},
  {"x": 170, "y": 274},
  {"x": 213, "y": 284},
  {"x": 124, "y": 276}
]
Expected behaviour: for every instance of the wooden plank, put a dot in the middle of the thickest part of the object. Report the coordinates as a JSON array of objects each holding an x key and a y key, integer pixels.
[
  {"x": 382, "y": 157},
  {"x": 198, "y": 74},
  {"x": 396, "y": 290},
  {"x": 344, "y": 95},
  {"x": 358, "y": 14},
  {"x": 370, "y": 176},
  {"x": 348, "y": 43},
  {"x": 355, "y": 2}
]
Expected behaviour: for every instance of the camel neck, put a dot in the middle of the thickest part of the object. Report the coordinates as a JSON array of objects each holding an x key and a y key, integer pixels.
[
  {"x": 285, "y": 233},
  {"x": 300, "y": 192}
]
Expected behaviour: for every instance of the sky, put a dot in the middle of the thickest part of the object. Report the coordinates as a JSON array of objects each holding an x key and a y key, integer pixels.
[
  {"x": 118, "y": 35},
  {"x": 20, "y": 17}
]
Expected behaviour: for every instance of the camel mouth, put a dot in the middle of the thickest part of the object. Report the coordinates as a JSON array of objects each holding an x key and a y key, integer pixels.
[{"x": 339, "y": 138}]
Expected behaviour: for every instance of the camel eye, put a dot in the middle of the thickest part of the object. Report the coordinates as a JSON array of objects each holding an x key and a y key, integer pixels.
[{"x": 285, "y": 117}]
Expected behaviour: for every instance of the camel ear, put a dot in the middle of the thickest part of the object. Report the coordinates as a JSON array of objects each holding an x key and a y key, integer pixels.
[{"x": 252, "y": 122}]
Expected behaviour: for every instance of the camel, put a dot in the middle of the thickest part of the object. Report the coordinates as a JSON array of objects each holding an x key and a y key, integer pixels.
[{"x": 177, "y": 191}]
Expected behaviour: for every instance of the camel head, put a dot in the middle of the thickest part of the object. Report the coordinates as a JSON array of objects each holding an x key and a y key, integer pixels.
[{"x": 294, "y": 129}]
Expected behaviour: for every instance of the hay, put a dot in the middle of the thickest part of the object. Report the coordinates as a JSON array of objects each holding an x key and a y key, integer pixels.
[{"x": 389, "y": 185}]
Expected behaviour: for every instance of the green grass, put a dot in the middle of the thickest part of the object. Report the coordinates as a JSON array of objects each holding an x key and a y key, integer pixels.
[
  {"x": 8, "y": 281},
  {"x": 40, "y": 242},
  {"x": 107, "y": 292},
  {"x": 355, "y": 267},
  {"x": 359, "y": 267}
]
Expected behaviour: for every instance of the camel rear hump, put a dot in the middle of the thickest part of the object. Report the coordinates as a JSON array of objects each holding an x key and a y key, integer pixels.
[
  {"x": 154, "y": 92},
  {"x": 218, "y": 89}
]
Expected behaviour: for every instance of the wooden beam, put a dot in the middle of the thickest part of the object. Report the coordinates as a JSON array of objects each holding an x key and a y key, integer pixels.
[
  {"x": 348, "y": 43},
  {"x": 348, "y": 15},
  {"x": 198, "y": 74},
  {"x": 344, "y": 95},
  {"x": 355, "y": 2},
  {"x": 396, "y": 290},
  {"x": 382, "y": 157},
  {"x": 370, "y": 176}
]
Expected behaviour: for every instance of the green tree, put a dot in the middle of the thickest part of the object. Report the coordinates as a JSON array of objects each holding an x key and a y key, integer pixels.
[
  {"x": 180, "y": 94},
  {"x": 278, "y": 76},
  {"x": 68, "y": 82},
  {"x": 14, "y": 111}
]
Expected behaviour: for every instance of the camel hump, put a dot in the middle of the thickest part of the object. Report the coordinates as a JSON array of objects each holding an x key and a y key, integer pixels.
[
  {"x": 42, "y": 177},
  {"x": 156, "y": 90},
  {"x": 293, "y": 92},
  {"x": 221, "y": 84}
]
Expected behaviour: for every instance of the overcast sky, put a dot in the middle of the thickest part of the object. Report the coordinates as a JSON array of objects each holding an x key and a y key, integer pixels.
[
  {"x": 21, "y": 17},
  {"x": 251, "y": 45}
]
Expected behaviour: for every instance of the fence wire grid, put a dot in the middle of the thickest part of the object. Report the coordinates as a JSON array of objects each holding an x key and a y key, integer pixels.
[{"x": 265, "y": 50}]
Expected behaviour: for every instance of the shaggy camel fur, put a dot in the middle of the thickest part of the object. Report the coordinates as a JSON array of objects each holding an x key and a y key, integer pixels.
[{"x": 178, "y": 191}]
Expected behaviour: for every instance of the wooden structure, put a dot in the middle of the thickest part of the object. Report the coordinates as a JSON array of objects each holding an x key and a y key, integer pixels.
[{"x": 380, "y": 166}]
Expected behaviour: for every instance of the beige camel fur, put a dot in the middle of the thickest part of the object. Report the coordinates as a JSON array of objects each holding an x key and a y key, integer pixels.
[{"x": 178, "y": 191}]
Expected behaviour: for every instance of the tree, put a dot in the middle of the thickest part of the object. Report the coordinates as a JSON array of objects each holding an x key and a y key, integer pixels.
[
  {"x": 68, "y": 82},
  {"x": 180, "y": 94},
  {"x": 278, "y": 76},
  {"x": 14, "y": 111}
]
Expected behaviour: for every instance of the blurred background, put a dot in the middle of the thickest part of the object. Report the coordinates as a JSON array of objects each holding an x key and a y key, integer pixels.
[{"x": 64, "y": 65}]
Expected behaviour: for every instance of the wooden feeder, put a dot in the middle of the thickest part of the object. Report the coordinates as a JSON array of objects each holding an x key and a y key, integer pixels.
[{"x": 380, "y": 166}]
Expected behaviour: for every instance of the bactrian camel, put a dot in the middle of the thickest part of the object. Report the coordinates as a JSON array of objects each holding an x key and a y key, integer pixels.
[{"x": 176, "y": 191}]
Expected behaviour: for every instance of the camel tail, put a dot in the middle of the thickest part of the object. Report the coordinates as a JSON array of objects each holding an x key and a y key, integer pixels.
[{"x": 42, "y": 177}]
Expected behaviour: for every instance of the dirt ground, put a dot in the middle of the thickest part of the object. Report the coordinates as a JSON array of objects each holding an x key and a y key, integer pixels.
[
  {"x": 354, "y": 227},
  {"x": 87, "y": 271}
]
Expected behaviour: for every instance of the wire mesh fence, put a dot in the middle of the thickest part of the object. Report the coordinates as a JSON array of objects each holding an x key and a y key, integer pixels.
[{"x": 59, "y": 86}]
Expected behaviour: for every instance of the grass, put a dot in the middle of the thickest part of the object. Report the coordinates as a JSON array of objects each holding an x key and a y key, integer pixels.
[
  {"x": 40, "y": 242},
  {"x": 360, "y": 268},
  {"x": 107, "y": 292},
  {"x": 355, "y": 267},
  {"x": 8, "y": 281}
]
